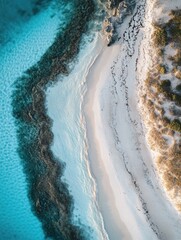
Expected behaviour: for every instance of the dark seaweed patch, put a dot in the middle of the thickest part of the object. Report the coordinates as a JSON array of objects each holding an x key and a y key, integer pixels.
[{"x": 49, "y": 195}]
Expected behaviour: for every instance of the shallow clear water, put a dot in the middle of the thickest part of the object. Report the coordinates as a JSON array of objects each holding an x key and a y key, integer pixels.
[
  {"x": 25, "y": 44},
  {"x": 24, "y": 38},
  {"x": 64, "y": 102}
]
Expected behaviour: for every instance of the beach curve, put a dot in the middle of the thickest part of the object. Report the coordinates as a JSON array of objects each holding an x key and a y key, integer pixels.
[{"x": 119, "y": 156}]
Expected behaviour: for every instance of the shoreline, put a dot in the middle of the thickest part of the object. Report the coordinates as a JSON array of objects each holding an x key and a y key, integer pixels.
[
  {"x": 63, "y": 99},
  {"x": 120, "y": 161},
  {"x": 104, "y": 189},
  {"x": 48, "y": 193}
]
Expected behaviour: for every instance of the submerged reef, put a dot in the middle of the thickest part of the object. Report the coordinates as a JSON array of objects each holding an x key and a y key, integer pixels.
[
  {"x": 162, "y": 102},
  {"x": 50, "y": 199}
]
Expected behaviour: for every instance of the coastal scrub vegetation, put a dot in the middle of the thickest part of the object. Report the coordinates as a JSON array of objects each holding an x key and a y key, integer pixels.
[
  {"x": 161, "y": 69},
  {"x": 175, "y": 125},
  {"x": 163, "y": 103},
  {"x": 176, "y": 59},
  {"x": 159, "y": 35},
  {"x": 178, "y": 88},
  {"x": 165, "y": 84},
  {"x": 174, "y": 26},
  {"x": 168, "y": 32}
]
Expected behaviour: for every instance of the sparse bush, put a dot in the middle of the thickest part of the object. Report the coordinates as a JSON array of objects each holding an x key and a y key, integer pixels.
[
  {"x": 166, "y": 121},
  {"x": 177, "y": 58},
  {"x": 160, "y": 36},
  {"x": 149, "y": 104},
  {"x": 175, "y": 111},
  {"x": 176, "y": 98},
  {"x": 174, "y": 27},
  {"x": 175, "y": 125},
  {"x": 161, "y": 69},
  {"x": 164, "y": 88},
  {"x": 160, "y": 52},
  {"x": 176, "y": 14},
  {"x": 178, "y": 88},
  {"x": 165, "y": 84},
  {"x": 150, "y": 81},
  {"x": 175, "y": 33}
]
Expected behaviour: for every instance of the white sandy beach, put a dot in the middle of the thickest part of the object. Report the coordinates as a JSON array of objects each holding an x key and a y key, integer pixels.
[
  {"x": 131, "y": 200},
  {"x": 98, "y": 133}
]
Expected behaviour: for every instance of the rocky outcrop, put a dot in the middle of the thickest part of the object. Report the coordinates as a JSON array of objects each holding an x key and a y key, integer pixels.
[{"x": 117, "y": 11}]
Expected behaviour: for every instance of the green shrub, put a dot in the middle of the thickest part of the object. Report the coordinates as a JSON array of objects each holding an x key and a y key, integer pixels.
[
  {"x": 164, "y": 88},
  {"x": 178, "y": 87},
  {"x": 175, "y": 125},
  {"x": 175, "y": 33},
  {"x": 168, "y": 95},
  {"x": 174, "y": 26},
  {"x": 166, "y": 121},
  {"x": 165, "y": 84},
  {"x": 176, "y": 98}
]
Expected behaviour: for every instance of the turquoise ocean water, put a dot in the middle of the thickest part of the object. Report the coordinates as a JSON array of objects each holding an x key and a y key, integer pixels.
[
  {"x": 27, "y": 29},
  {"x": 39, "y": 196}
]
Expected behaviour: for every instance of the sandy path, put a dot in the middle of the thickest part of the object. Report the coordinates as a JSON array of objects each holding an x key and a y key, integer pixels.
[{"x": 131, "y": 200}]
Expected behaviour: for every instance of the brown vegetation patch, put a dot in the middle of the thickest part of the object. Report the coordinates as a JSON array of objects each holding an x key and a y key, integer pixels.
[
  {"x": 169, "y": 160},
  {"x": 159, "y": 36},
  {"x": 161, "y": 69},
  {"x": 156, "y": 139}
]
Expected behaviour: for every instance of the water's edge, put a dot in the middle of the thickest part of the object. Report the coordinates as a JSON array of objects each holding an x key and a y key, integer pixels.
[{"x": 49, "y": 195}]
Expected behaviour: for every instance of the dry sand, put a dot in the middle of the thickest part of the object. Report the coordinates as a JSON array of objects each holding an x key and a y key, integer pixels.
[{"x": 130, "y": 197}]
